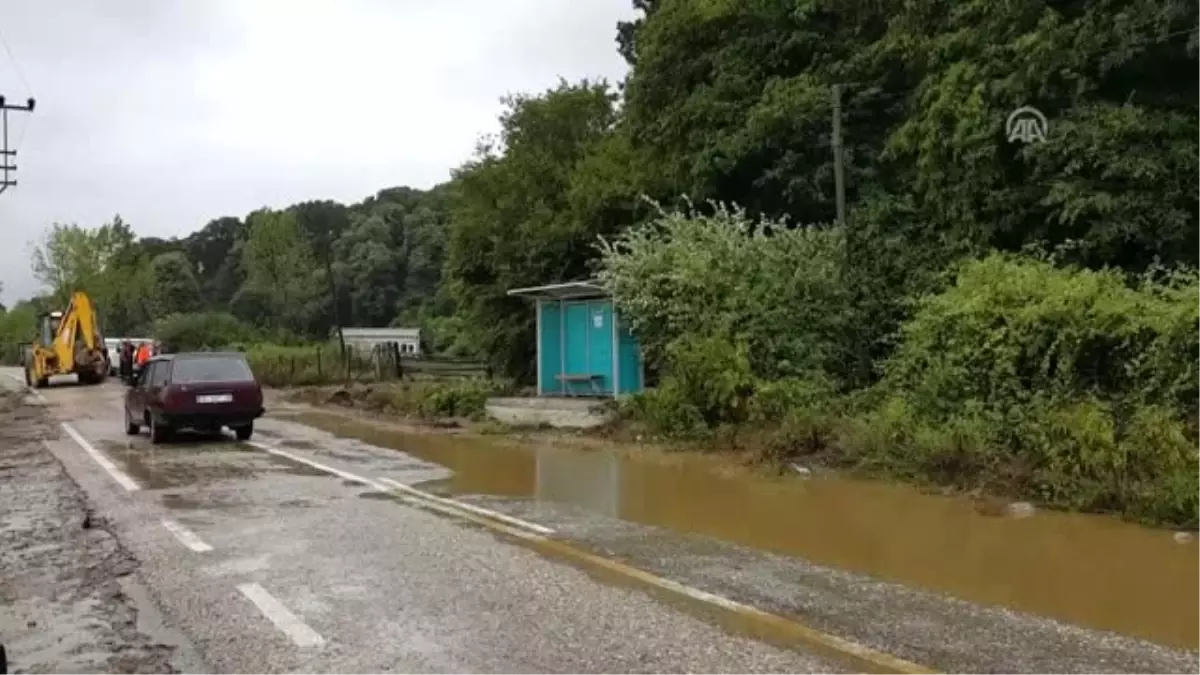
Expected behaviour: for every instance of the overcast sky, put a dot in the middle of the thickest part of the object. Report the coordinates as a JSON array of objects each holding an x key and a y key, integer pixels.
[{"x": 174, "y": 112}]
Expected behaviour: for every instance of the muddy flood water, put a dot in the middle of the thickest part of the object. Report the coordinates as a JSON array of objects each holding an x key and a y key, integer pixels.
[{"x": 1093, "y": 571}]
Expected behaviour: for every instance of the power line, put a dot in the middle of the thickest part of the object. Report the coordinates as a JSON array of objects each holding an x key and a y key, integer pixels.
[
  {"x": 16, "y": 66},
  {"x": 8, "y": 153}
]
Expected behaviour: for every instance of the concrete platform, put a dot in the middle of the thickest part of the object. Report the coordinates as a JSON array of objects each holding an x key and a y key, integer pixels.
[{"x": 562, "y": 413}]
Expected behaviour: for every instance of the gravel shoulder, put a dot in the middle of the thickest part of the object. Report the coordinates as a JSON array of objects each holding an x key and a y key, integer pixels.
[{"x": 66, "y": 583}]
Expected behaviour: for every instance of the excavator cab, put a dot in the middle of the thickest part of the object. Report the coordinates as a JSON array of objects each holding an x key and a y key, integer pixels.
[{"x": 48, "y": 326}]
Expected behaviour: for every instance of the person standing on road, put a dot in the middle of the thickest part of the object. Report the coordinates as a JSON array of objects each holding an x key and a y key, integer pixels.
[
  {"x": 126, "y": 356},
  {"x": 143, "y": 354}
]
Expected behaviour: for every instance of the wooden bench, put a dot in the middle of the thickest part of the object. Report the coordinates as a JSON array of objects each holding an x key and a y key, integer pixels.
[{"x": 592, "y": 380}]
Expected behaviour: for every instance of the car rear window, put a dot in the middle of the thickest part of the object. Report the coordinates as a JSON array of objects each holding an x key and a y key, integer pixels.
[{"x": 211, "y": 369}]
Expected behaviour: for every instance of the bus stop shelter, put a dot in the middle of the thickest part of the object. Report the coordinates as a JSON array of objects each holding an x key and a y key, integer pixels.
[{"x": 583, "y": 347}]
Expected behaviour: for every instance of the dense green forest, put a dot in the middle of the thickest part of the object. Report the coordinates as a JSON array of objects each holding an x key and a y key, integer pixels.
[{"x": 989, "y": 311}]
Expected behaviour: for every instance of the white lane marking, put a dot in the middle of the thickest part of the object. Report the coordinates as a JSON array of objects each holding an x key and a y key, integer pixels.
[
  {"x": 413, "y": 492},
  {"x": 284, "y": 620},
  {"x": 478, "y": 510},
  {"x": 323, "y": 467},
  {"x": 21, "y": 381},
  {"x": 117, "y": 475},
  {"x": 186, "y": 536}
]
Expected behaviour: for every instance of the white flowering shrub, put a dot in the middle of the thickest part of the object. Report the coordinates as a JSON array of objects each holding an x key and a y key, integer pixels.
[{"x": 775, "y": 291}]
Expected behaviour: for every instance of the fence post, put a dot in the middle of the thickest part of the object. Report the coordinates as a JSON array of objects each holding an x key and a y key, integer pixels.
[
  {"x": 319, "y": 374},
  {"x": 399, "y": 364},
  {"x": 293, "y": 368}
]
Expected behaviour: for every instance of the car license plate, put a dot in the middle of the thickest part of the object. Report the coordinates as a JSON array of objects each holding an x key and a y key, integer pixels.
[{"x": 214, "y": 398}]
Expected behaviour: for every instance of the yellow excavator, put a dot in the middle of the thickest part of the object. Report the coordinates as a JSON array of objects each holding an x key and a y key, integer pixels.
[{"x": 68, "y": 342}]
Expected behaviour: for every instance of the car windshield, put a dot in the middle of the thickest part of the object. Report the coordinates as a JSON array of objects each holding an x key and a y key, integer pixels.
[{"x": 211, "y": 369}]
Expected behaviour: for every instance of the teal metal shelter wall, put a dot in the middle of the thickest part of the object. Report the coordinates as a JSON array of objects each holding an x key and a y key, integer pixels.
[
  {"x": 549, "y": 351},
  {"x": 584, "y": 350}
]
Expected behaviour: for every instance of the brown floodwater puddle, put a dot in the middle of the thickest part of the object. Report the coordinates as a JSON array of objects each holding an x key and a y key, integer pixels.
[
  {"x": 188, "y": 463},
  {"x": 1094, "y": 571}
]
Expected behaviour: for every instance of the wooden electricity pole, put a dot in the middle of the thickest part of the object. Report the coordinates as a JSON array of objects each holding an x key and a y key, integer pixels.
[{"x": 8, "y": 156}]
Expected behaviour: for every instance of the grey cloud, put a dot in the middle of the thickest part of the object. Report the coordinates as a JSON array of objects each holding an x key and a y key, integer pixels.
[{"x": 173, "y": 112}]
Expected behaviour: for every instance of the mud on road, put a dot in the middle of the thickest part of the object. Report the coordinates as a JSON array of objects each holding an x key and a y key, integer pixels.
[{"x": 62, "y": 572}]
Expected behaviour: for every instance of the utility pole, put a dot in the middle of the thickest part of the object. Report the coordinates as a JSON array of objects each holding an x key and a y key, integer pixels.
[
  {"x": 839, "y": 178},
  {"x": 337, "y": 306},
  {"x": 8, "y": 156}
]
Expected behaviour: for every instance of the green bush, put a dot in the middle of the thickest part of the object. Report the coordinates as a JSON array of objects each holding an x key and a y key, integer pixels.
[
  {"x": 200, "y": 331},
  {"x": 428, "y": 399},
  {"x": 17, "y": 325},
  {"x": 465, "y": 398},
  {"x": 1014, "y": 330},
  {"x": 1073, "y": 387},
  {"x": 776, "y": 290}
]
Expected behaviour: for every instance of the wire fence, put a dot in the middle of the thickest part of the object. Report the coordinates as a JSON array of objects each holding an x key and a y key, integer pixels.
[{"x": 323, "y": 364}]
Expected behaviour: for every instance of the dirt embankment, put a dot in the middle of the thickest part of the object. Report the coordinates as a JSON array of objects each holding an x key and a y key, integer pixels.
[{"x": 60, "y": 567}]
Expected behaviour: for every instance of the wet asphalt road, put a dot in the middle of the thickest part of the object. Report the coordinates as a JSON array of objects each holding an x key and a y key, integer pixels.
[{"x": 252, "y": 562}]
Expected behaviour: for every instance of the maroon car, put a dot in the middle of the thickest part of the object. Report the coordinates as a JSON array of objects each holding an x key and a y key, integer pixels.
[{"x": 198, "y": 391}]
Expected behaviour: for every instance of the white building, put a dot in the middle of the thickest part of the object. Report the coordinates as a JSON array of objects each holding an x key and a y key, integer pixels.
[{"x": 364, "y": 339}]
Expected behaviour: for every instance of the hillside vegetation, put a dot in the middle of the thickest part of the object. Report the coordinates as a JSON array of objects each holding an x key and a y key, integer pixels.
[{"x": 990, "y": 314}]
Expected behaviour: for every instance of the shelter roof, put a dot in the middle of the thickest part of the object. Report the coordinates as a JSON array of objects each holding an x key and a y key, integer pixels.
[{"x": 571, "y": 290}]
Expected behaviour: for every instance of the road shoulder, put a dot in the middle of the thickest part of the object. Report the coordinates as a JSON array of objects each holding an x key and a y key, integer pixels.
[{"x": 69, "y": 587}]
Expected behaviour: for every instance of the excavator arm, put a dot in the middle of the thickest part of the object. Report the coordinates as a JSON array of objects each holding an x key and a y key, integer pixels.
[{"x": 80, "y": 325}]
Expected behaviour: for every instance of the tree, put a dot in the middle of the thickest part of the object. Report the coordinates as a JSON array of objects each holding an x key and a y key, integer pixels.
[
  {"x": 213, "y": 251},
  {"x": 17, "y": 325},
  {"x": 71, "y": 257},
  {"x": 279, "y": 263},
  {"x": 174, "y": 288},
  {"x": 732, "y": 100},
  {"x": 322, "y": 223},
  {"x": 1117, "y": 82},
  {"x": 105, "y": 262},
  {"x": 370, "y": 264},
  {"x": 511, "y": 220}
]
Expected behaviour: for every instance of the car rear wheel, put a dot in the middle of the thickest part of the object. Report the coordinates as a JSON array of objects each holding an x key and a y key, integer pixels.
[
  {"x": 132, "y": 428},
  {"x": 244, "y": 433},
  {"x": 159, "y": 433}
]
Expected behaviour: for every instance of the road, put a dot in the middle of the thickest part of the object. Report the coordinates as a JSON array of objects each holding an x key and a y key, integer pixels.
[{"x": 275, "y": 556}]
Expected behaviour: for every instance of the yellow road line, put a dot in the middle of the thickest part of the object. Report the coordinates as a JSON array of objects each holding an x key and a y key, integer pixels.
[
  {"x": 730, "y": 613},
  {"x": 733, "y": 614}
]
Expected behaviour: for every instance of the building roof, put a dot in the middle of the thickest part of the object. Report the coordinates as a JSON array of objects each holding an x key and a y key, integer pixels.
[
  {"x": 571, "y": 290},
  {"x": 381, "y": 332}
]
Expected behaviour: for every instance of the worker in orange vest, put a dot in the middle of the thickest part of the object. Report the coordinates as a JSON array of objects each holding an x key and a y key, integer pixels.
[{"x": 143, "y": 354}]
